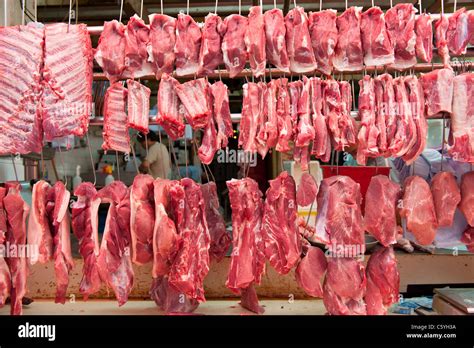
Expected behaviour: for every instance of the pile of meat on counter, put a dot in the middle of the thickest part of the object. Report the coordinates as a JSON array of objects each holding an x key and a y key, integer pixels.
[{"x": 177, "y": 226}]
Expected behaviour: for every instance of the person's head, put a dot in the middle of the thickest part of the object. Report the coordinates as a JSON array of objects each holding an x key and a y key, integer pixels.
[{"x": 147, "y": 140}]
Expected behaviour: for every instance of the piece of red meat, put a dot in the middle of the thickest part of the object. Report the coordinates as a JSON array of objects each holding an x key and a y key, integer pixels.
[
  {"x": 441, "y": 29},
  {"x": 67, "y": 80},
  {"x": 305, "y": 130},
  {"x": 339, "y": 221},
  {"x": 446, "y": 197},
  {"x": 322, "y": 140},
  {"x": 424, "y": 37},
  {"x": 310, "y": 271},
  {"x": 191, "y": 264},
  {"x": 247, "y": 263},
  {"x": 376, "y": 42},
  {"x": 345, "y": 287},
  {"x": 417, "y": 207},
  {"x": 298, "y": 42},
  {"x": 275, "y": 43},
  {"x": 368, "y": 131},
  {"x": 468, "y": 238},
  {"x": 161, "y": 44},
  {"x": 323, "y": 32},
  {"x": 250, "y": 115},
  {"x": 234, "y": 52},
  {"x": 458, "y": 32},
  {"x": 307, "y": 190},
  {"x": 255, "y": 41},
  {"x": 142, "y": 219},
  {"x": 279, "y": 224},
  {"x": 349, "y": 54},
  {"x": 267, "y": 133},
  {"x": 385, "y": 119},
  {"x": 220, "y": 238},
  {"x": 170, "y": 299},
  {"x": 400, "y": 21},
  {"x": 210, "y": 56},
  {"x": 221, "y": 113},
  {"x": 467, "y": 197},
  {"x": 115, "y": 132},
  {"x": 438, "y": 90},
  {"x": 285, "y": 126},
  {"x": 332, "y": 110},
  {"x": 169, "y": 113},
  {"x": 3, "y": 217},
  {"x": 5, "y": 281},
  {"x": 16, "y": 212},
  {"x": 85, "y": 222},
  {"x": 194, "y": 96},
  {"x": 381, "y": 209},
  {"x": 138, "y": 106},
  {"x": 383, "y": 281},
  {"x": 461, "y": 140},
  {"x": 110, "y": 52},
  {"x": 471, "y": 26},
  {"x": 208, "y": 147},
  {"x": 346, "y": 122},
  {"x": 137, "y": 37},
  {"x": 187, "y": 46},
  {"x": 114, "y": 263}
]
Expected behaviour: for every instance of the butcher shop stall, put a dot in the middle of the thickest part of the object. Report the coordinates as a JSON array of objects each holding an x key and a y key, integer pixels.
[{"x": 237, "y": 157}]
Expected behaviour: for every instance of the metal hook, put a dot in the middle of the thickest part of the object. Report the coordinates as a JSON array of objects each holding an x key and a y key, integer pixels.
[{"x": 121, "y": 11}]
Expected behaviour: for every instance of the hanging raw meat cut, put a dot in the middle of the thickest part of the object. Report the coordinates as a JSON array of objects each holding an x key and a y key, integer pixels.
[
  {"x": 467, "y": 197},
  {"x": 345, "y": 287},
  {"x": 322, "y": 140},
  {"x": 383, "y": 281},
  {"x": 110, "y": 52},
  {"x": 85, "y": 222},
  {"x": 307, "y": 190},
  {"x": 424, "y": 37},
  {"x": 21, "y": 58},
  {"x": 368, "y": 131},
  {"x": 161, "y": 45},
  {"x": 194, "y": 96},
  {"x": 298, "y": 42},
  {"x": 115, "y": 131},
  {"x": 220, "y": 238},
  {"x": 416, "y": 100},
  {"x": 400, "y": 21},
  {"x": 384, "y": 96},
  {"x": 332, "y": 109},
  {"x": 169, "y": 115},
  {"x": 275, "y": 43},
  {"x": 311, "y": 270},
  {"x": 458, "y": 33},
  {"x": 381, "y": 209},
  {"x": 235, "y": 55},
  {"x": 438, "y": 90},
  {"x": 142, "y": 219},
  {"x": 67, "y": 80},
  {"x": 5, "y": 282},
  {"x": 187, "y": 46},
  {"x": 208, "y": 147},
  {"x": 210, "y": 56},
  {"x": 418, "y": 209},
  {"x": 221, "y": 113},
  {"x": 268, "y": 133},
  {"x": 406, "y": 133},
  {"x": 349, "y": 55},
  {"x": 446, "y": 197},
  {"x": 16, "y": 213},
  {"x": 462, "y": 118},
  {"x": 137, "y": 37},
  {"x": 305, "y": 130},
  {"x": 250, "y": 117},
  {"x": 376, "y": 43},
  {"x": 255, "y": 41},
  {"x": 467, "y": 238},
  {"x": 114, "y": 264},
  {"x": 166, "y": 241},
  {"x": 247, "y": 263},
  {"x": 294, "y": 89},
  {"x": 471, "y": 26},
  {"x": 279, "y": 224},
  {"x": 191, "y": 264},
  {"x": 323, "y": 32},
  {"x": 346, "y": 122},
  {"x": 285, "y": 127},
  {"x": 339, "y": 220},
  {"x": 39, "y": 233},
  {"x": 138, "y": 105},
  {"x": 441, "y": 29},
  {"x": 59, "y": 219}
]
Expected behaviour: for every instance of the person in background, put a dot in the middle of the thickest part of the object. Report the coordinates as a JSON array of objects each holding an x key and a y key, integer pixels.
[{"x": 157, "y": 161}]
